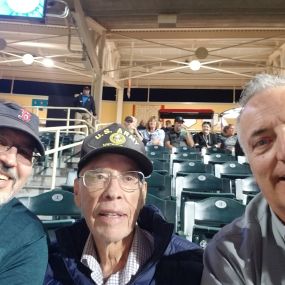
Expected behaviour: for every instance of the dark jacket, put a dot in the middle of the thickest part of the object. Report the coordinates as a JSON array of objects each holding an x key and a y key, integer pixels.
[
  {"x": 89, "y": 104},
  {"x": 210, "y": 140},
  {"x": 174, "y": 260}
]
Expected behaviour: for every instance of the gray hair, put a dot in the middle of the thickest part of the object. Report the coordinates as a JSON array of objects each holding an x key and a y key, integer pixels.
[{"x": 258, "y": 84}]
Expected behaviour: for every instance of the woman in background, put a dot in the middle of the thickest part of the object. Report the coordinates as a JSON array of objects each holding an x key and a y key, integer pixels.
[{"x": 153, "y": 135}]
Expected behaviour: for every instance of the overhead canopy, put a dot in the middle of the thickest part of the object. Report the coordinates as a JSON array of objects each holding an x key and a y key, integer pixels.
[{"x": 186, "y": 113}]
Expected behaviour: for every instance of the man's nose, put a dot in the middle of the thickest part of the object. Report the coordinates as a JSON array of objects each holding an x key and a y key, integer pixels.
[
  {"x": 280, "y": 151},
  {"x": 113, "y": 189}
]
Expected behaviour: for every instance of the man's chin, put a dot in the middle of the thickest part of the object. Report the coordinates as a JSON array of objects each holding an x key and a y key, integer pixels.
[{"x": 6, "y": 197}]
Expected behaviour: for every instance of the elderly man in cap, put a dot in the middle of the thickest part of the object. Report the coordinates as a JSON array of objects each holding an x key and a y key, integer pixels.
[
  {"x": 23, "y": 247},
  {"x": 119, "y": 241},
  {"x": 84, "y": 100},
  {"x": 178, "y": 136}
]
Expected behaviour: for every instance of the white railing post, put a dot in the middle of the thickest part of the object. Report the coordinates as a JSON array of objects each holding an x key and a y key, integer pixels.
[{"x": 55, "y": 156}]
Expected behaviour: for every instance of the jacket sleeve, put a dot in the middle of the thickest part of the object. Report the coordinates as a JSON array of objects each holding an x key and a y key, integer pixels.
[{"x": 222, "y": 266}]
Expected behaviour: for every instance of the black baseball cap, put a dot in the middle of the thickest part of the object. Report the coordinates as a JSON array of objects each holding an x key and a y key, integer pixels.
[
  {"x": 115, "y": 139},
  {"x": 86, "y": 88},
  {"x": 16, "y": 117},
  {"x": 179, "y": 119}
]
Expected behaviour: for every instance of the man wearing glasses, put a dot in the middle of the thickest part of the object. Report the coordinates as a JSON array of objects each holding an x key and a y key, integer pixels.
[
  {"x": 120, "y": 241},
  {"x": 23, "y": 247}
]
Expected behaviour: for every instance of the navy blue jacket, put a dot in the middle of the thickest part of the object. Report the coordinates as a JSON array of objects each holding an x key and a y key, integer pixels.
[
  {"x": 89, "y": 104},
  {"x": 174, "y": 260}
]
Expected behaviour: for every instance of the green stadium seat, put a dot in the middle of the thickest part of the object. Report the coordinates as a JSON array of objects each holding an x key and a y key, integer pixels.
[
  {"x": 232, "y": 170},
  {"x": 206, "y": 217},
  {"x": 214, "y": 150},
  {"x": 157, "y": 155},
  {"x": 167, "y": 205},
  {"x": 199, "y": 186},
  {"x": 246, "y": 189},
  {"x": 185, "y": 149},
  {"x": 218, "y": 158},
  {"x": 160, "y": 164},
  {"x": 55, "y": 208},
  {"x": 156, "y": 148}
]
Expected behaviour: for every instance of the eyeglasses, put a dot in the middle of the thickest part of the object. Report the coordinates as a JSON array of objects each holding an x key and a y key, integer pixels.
[
  {"x": 24, "y": 154},
  {"x": 97, "y": 179}
]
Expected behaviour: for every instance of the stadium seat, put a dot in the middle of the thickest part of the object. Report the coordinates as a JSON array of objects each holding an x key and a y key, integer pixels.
[
  {"x": 156, "y": 148},
  {"x": 246, "y": 189},
  {"x": 159, "y": 184},
  {"x": 160, "y": 164},
  {"x": 218, "y": 158},
  {"x": 232, "y": 170},
  {"x": 199, "y": 186},
  {"x": 206, "y": 217},
  {"x": 185, "y": 149},
  {"x": 214, "y": 150},
  {"x": 182, "y": 157},
  {"x": 55, "y": 208},
  {"x": 157, "y": 155},
  {"x": 188, "y": 167},
  {"x": 167, "y": 205}
]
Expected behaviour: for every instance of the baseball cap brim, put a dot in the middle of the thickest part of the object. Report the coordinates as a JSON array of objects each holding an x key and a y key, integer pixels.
[
  {"x": 145, "y": 165},
  {"x": 17, "y": 125}
]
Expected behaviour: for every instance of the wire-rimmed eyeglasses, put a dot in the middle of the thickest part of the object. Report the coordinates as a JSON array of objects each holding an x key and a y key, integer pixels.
[
  {"x": 24, "y": 154},
  {"x": 98, "y": 179}
]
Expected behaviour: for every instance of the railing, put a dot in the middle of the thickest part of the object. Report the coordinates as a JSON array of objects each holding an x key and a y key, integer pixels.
[
  {"x": 38, "y": 111},
  {"x": 57, "y": 148}
]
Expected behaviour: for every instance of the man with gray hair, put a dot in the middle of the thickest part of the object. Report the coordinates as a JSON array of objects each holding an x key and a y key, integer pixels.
[
  {"x": 251, "y": 250},
  {"x": 23, "y": 246}
]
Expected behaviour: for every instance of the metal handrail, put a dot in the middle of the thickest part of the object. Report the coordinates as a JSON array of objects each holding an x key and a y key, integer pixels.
[{"x": 57, "y": 148}]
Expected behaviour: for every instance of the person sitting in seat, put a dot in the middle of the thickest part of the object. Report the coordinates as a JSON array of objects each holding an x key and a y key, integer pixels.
[
  {"x": 153, "y": 135},
  {"x": 178, "y": 136},
  {"x": 119, "y": 241},
  {"x": 205, "y": 138}
]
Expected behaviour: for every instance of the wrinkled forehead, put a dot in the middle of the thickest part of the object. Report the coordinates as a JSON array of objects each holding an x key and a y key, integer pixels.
[{"x": 111, "y": 161}]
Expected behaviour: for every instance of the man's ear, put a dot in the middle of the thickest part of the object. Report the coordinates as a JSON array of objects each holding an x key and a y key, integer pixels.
[
  {"x": 144, "y": 191},
  {"x": 77, "y": 191}
]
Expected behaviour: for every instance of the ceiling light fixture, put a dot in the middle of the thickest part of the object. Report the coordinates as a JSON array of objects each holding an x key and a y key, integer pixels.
[
  {"x": 48, "y": 62},
  {"x": 27, "y": 58},
  {"x": 195, "y": 65}
]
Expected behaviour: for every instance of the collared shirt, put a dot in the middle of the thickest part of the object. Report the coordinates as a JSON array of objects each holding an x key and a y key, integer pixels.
[{"x": 140, "y": 251}]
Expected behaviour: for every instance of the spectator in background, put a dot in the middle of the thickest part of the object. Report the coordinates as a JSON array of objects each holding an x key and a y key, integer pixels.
[
  {"x": 206, "y": 138},
  {"x": 228, "y": 138},
  {"x": 84, "y": 100},
  {"x": 251, "y": 250},
  {"x": 130, "y": 123},
  {"x": 119, "y": 241},
  {"x": 167, "y": 127},
  {"x": 141, "y": 125},
  {"x": 178, "y": 136},
  {"x": 23, "y": 245},
  {"x": 152, "y": 135}
]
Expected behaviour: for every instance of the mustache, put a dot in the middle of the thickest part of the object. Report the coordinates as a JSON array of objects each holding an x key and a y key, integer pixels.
[{"x": 11, "y": 172}]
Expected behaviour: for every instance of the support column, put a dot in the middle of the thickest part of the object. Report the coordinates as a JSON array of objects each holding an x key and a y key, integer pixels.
[{"x": 120, "y": 101}]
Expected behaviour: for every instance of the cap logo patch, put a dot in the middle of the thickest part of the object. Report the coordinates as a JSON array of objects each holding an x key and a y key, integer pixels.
[
  {"x": 25, "y": 116},
  {"x": 117, "y": 139}
]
